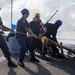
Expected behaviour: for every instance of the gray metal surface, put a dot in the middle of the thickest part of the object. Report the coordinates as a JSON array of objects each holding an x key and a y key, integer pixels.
[{"x": 65, "y": 66}]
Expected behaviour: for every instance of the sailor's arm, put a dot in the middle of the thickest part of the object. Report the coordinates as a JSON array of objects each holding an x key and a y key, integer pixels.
[
  {"x": 30, "y": 32},
  {"x": 6, "y": 28}
]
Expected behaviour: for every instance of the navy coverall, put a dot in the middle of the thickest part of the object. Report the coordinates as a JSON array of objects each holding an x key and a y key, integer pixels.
[
  {"x": 24, "y": 41},
  {"x": 4, "y": 47},
  {"x": 3, "y": 44},
  {"x": 51, "y": 34},
  {"x": 35, "y": 27}
]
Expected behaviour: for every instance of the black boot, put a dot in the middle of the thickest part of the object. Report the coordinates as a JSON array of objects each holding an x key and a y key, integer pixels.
[
  {"x": 60, "y": 56},
  {"x": 21, "y": 64},
  {"x": 10, "y": 63},
  {"x": 44, "y": 57},
  {"x": 34, "y": 60}
]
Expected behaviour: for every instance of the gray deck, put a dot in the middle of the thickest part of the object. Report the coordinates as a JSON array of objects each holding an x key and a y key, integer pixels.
[{"x": 51, "y": 67}]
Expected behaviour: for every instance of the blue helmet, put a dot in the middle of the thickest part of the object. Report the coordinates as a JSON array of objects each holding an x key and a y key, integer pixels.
[
  {"x": 25, "y": 11},
  {"x": 59, "y": 22}
]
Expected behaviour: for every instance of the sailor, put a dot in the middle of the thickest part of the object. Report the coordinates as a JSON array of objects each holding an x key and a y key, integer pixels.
[
  {"x": 4, "y": 46},
  {"x": 35, "y": 27},
  {"x": 51, "y": 32},
  {"x": 24, "y": 41}
]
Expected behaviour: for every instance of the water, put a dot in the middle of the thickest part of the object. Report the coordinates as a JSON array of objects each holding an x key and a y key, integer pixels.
[{"x": 70, "y": 45}]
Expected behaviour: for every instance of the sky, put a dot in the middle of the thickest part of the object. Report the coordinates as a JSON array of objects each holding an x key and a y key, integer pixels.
[{"x": 46, "y": 8}]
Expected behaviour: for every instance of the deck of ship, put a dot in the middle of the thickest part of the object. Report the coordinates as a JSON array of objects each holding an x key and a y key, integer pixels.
[{"x": 65, "y": 66}]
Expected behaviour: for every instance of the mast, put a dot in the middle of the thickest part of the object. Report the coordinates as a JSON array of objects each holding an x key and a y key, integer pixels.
[{"x": 11, "y": 11}]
